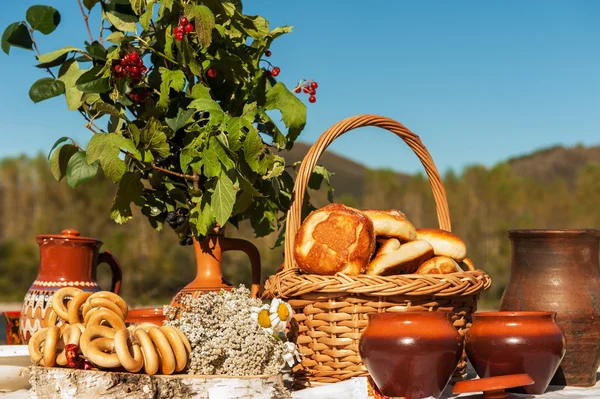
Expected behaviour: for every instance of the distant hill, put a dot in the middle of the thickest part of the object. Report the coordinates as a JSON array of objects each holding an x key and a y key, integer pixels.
[{"x": 542, "y": 165}]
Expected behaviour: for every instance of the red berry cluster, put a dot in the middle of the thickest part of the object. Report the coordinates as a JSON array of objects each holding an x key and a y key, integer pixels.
[
  {"x": 184, "y": 27},
  {"x": 310, "y": 88},
  {"x": 130, "y": 65},
  {"x": 139, "y": 96}
]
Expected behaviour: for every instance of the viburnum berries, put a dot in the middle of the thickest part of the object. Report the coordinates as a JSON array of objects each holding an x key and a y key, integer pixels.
[
  {"x": 309, "y": 87},
  {"x": 268, "y": 53},
  {"x": 212, "y": 73},
  {"x": 184, "y": 27},
  {"x": 130, "y": 65}
]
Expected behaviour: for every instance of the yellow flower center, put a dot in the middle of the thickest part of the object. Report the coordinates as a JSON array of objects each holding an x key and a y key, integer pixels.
[
  {"x": 283, "y": 312},
  {"x": 263, "y": 318}
]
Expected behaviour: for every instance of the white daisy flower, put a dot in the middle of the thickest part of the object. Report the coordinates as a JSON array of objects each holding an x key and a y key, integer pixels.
[
  {"x": 291, "y": 352},
  {"x": 280, "y": 314},
  {"x": 261, "y": 316}
]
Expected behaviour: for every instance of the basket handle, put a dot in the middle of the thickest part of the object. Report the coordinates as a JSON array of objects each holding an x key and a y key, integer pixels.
[{"x": 294, "y": 216}]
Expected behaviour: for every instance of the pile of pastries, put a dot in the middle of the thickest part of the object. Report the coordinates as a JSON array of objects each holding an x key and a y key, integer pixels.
[
  {"x": 340, "y": 239},
  {"x": 88, "y": 331}
]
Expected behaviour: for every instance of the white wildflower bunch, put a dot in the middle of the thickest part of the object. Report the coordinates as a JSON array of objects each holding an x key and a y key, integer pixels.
[{"x": 228, "y": 337}]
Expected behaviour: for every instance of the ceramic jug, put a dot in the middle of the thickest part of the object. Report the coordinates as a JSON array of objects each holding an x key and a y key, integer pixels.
[
  {"x": 66, "y": 260},
  {"x": 557, "y": 271}
]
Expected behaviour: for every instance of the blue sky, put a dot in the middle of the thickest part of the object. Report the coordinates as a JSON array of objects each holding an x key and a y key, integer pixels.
[{"x": 478, "y": 81}]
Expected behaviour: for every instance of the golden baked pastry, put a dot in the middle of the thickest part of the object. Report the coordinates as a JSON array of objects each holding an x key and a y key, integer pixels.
[
  {"x": 439, "y": 265},
  {"x": 404, "y": 260},
  {"x": 335, "y": 239},
  {"x": 389, "y": 246},
  {"x": 467, "y": 265},
  {"x": 444, "y": 243},
  {"x": 391, "y": 224}
]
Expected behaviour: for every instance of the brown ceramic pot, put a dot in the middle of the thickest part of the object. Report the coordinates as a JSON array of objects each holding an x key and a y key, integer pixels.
[
  {"x": 66, "y": 260},
  {"x": 506, "y": 343},
  {"x": 558, "y": 271},
  {"x": 209, "y": 254},
  {"x": 146, "y": 315},
  {"x": 411, "y": 354}
]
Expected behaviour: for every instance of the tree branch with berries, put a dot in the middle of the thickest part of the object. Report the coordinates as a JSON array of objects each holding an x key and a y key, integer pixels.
[{"x": 188, "y": 99}]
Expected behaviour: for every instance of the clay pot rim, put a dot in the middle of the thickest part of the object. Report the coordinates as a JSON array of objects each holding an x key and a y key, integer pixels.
[
  {"x": 543, "y": 233},
  {"x": 146, "y": 311},
  {"x": 514, "y": 314}
]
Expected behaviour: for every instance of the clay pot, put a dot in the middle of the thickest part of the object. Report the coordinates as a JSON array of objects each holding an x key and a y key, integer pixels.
[
  {"x": 558, "y": 271},
  {"x": 506, "y": 343},
  {"x": 146, "y": 315},
  {"x": 66, "y": 260},
  {"x": 411, "y": 354},
  {"x": 209, "y": 254}
]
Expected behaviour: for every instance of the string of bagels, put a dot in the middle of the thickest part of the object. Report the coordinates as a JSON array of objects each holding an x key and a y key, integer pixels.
[
  {"x": 341, "y": 239},
  {"x": 93, "y": 335}
]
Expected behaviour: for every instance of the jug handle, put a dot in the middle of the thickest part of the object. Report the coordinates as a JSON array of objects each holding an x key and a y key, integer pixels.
[
  {"x": 237, "y": 244},
  {"x": 115, "y": 267}
]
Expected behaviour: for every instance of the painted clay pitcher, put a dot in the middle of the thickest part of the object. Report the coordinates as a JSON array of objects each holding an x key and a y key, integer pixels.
[
  {"x": 209, "y": 253},
  {"x": 66, "y": 260},
  {"x": 557, "y": 271},
  {"x": 411, "y": 354}
]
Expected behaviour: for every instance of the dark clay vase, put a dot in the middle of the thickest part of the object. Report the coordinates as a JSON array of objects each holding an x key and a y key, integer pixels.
[
  {"x": 507, "y": 343},
  {"x": 557, "y": 271},
  {"x": 411, "y": 354}
]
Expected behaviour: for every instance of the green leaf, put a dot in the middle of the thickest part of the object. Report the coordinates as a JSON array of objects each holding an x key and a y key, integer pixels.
[
  {"x": 128, "y": 146},
  {"x": 79, "y": 171},
  {"x": 60, "y": 160},
  {"x": 121, "y": 19},
  {"x": 204, "y": 21},
  {"x": 182, "y": 118},
  {"x": 223, "y": 199},
  {"x": 170, "y": 80},
  {"x": 137, "y": 6},
  {"x": 89, "y": 4},
  {"x": 236, "y": 129},
  {"x": 107, "y": 109},
  {"x": 165, "y": 5},
  {"x": 49, "y": 57},
  {"x": 135, "y": 133},
  {"x": 200, "y": 91},
  {"x": 154, "y": 139},
  {"x": 57, "y": 143},
  {"x": 46, "y": 88},
  {"x": 293, "y": 111},
  {"x": 69, "y": 77},
  {"x": 116, "y": 37},
  {"x": 253, "y": 151},
  {"x": 216, "y": 147},
  {"x": 217, "y": 115},
  {"x": 276, "y": 170},
  {"x": 44, "y": 19},
  {"x": 89, "y": 82},
  {"x": 130, "y": 190},
  {"x": 186, "y": 157},
  {"x": 202, "y": 216},
  {"x": 97, "y": 51},
  {"x": 146, "y": 17},
  {"x": 212, "y": 166},
  {"x": 16, "y": 35},
  {"x": 169, "y": 40}
]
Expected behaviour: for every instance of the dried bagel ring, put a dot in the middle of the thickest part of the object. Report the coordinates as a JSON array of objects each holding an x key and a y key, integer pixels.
[
  {"x": 58, "y": 300},
  {"x": 92, "y": 333},
  {"x": 132, "y": 363},
  {"x": 106, "y": 303},
  {"x": 151, "y": 361},
  {"x": 46, "y": 338},
  {"x": 184, "y": 339},
  {"x": 70, "y": 336},
  {"x": 178, "y": 347},
  {"x": 53, "y": 319},
  {"x": 80, "y": 326},
  {"x": 101, "y": 352},
  {"x": 167, "y": 357},
  {"x": 108, "y": 316},
  {"x": 111, "y": 296},
  {"x": 74, "y": 307},
  {"x": 35, "y": 342}
]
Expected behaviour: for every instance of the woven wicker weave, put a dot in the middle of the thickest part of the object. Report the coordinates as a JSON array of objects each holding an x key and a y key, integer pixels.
[{"x": 331, "y": 311}]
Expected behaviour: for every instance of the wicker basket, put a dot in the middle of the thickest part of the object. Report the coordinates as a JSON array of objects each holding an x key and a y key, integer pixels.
[{"x": 331, "y": 311}]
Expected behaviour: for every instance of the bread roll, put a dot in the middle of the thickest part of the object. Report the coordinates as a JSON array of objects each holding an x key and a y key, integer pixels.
[
  {"x": 389, "y": 246},
  {"x": 439, "y": 265},
  {"x": 404, "y": 260},
  {"x": 335, "y": 239},
  {"x": 467, "y": 265},
  {"x": 444, "y": 243},
  {"x": 392, "y": 224}
]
